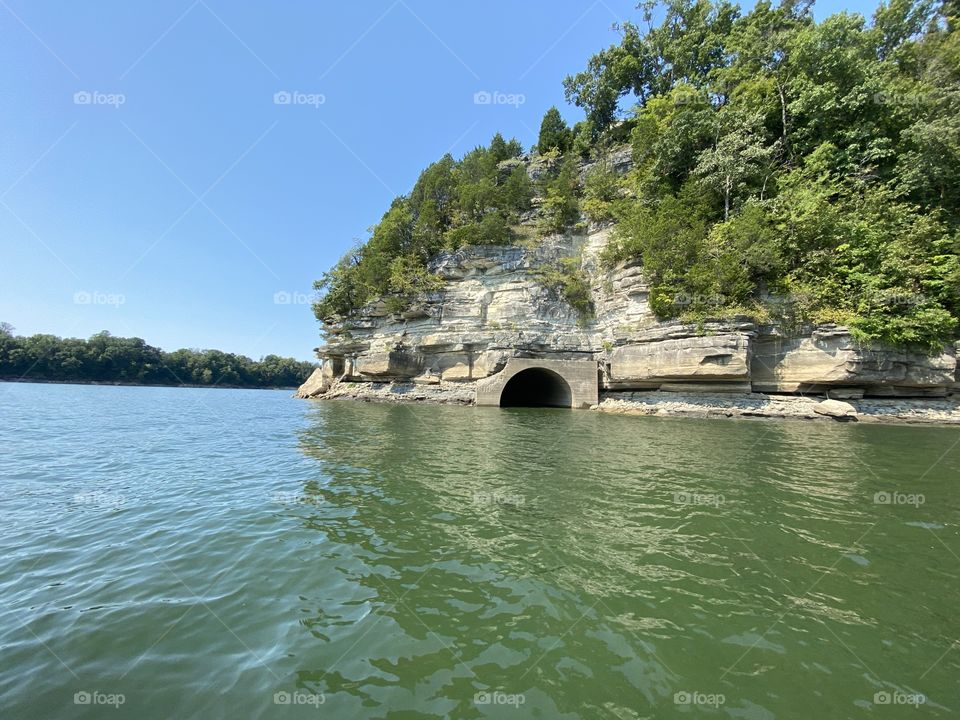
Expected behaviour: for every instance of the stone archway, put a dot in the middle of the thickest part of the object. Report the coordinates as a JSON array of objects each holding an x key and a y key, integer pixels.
[
  {"x": 556, "y": 383},
  {"x": 536, "y": 387}
]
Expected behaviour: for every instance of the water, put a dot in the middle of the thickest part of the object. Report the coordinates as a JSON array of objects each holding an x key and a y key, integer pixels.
[{"x": 213, "y": 553}]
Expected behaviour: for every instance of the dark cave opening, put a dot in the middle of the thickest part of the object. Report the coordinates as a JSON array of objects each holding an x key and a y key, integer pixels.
[{"x": 536, "y": 387}]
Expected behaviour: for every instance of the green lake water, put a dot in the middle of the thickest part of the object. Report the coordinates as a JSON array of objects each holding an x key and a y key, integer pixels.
[{"x": 180, "y": 553}]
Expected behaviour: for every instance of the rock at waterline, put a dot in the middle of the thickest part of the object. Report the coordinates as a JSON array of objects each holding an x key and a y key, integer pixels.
[
  {"x": 836, "y": 409},
  {"x": 313, "y": 386}
]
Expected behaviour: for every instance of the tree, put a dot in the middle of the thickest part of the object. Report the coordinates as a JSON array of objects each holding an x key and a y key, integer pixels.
[
  {"x": 560, "y": 207},
  {"x": 554, "y": 133},
  {"x": 503, "y": 150},
  {"x": 738, "y": 156}
]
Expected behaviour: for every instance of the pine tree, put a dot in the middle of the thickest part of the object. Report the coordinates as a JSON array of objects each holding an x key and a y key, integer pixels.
[{"x": 554, "y": 133}]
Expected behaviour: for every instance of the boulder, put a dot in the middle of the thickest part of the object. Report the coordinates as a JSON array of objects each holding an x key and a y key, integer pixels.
[
  {"x": 836, "y": 409},
  {"x": 314, "y": 385}
]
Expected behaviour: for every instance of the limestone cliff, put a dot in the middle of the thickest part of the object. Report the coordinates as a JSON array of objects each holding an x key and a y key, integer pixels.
[{"x": 492, "y": 307}]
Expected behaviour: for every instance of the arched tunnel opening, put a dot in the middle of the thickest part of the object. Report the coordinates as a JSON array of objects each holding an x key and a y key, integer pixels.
[{"x": 536, "y": 387}]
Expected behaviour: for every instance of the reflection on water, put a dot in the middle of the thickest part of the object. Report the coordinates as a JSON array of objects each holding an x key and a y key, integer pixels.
[
  {"x": 267, "y": 557},
  {"x": 599, "y": 565}
]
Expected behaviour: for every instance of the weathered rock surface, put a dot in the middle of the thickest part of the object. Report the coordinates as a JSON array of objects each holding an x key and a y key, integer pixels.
[
  {"x": 493, "y": 308},
  {"x": 314, "y": 385},
  {"x": 829, "y": 358},
  {"x": 835, "y": 409},
  {"x": 717, "y": 357}
]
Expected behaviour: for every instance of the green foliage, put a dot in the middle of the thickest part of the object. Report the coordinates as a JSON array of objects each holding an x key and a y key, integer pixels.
[
  {"x": 473, "y": 201},
  {"x": 795, "y": 170},
  {"x": 567, "y": 280},
  {"x": 601, "y": 191},
  {"x": 503, "y": 150},
  {"x": 778, "y": 157},
  {"x": 109, "y": 359},
  {"x": 554, "y": 133},
  {"x": 561, "y": 208},
  {"x": 492, "y": 229}
]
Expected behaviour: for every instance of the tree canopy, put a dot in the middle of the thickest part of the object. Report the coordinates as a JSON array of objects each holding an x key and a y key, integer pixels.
[
  {"x": 475, "y": 200},
  {"x": 784, "y": 161},
  {"x": 794, "y": 171}
]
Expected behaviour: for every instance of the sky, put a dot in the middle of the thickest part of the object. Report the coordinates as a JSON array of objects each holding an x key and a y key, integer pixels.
[{"x": 183, "y": 171}]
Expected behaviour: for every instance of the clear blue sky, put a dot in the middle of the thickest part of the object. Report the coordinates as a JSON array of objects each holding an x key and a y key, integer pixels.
[{"x": 179, "y": 214}]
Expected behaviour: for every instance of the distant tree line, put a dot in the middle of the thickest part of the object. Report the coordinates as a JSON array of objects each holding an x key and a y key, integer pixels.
[{"x": 105, "y": 358}]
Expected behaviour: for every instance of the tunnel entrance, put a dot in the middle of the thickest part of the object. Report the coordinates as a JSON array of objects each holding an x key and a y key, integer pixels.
[{"x": 536, "y": 387}]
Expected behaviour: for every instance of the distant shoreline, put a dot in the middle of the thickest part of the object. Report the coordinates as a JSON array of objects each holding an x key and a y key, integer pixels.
[{"x": 139, "y": 384}]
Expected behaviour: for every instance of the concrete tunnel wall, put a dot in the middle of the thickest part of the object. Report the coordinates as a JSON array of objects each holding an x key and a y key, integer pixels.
[{"x": 579, "y": 376}]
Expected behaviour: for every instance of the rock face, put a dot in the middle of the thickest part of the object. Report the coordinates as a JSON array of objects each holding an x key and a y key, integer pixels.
[
  {"x": 829, "y": 358},
  {"x": 493, "y": 308},
  {"x": 716, "y": 358}
]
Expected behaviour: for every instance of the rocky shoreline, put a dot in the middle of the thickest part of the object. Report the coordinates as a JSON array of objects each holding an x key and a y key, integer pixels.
[
  {"x": 692, "y": 404},
  {"x": 760, "y": 405}
]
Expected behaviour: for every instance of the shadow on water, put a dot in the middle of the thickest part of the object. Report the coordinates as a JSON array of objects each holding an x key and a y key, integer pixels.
[{"x": 597, "y": 566}]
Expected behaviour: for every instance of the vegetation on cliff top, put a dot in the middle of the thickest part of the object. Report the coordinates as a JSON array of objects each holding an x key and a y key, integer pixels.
[
  {"x": 105, "y": 358},
  {"x": 779, "y": 163}
]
